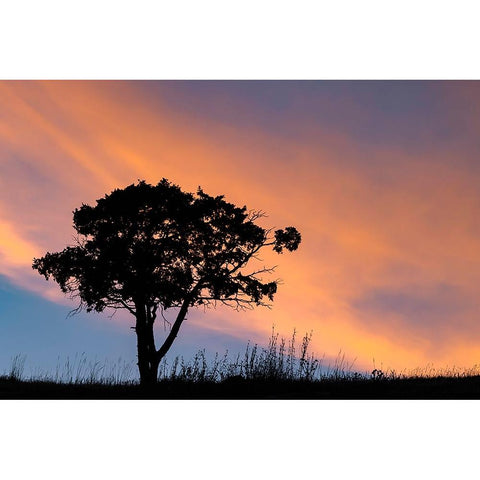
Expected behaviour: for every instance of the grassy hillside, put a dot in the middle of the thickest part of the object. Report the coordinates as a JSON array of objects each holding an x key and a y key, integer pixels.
[
  {"x": 280, "y": 371},
  {"x": 236, "y": 388}
]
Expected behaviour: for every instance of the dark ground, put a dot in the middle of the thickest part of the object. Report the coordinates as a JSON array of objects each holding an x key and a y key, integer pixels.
[{"x": 408, "y": 389}]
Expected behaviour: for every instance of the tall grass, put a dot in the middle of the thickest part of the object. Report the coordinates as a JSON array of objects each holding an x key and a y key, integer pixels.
[
  {"x": 277, "y": 362},
  {"x": 76, "y": 370}
]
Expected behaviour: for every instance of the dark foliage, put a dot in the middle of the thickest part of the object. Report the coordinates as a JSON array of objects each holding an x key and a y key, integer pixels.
[{"x": 147, "y": 247}]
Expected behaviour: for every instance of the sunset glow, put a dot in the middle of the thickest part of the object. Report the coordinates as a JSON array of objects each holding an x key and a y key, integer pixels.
[{"x": 381, "y": 179}]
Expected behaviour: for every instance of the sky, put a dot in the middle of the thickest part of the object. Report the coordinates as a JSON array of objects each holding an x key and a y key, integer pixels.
[{"x": 380, "y": 177}]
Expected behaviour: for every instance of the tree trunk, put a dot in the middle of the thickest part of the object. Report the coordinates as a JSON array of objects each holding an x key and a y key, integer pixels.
[{"x": 147, "y": 358}]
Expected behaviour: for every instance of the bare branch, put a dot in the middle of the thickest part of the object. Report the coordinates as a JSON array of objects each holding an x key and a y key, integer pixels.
[
  {"x": 262, "y": 270},
  {"x": 165, "y": 321}
]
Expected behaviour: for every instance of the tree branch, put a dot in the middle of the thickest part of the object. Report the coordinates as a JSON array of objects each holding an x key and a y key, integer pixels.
[{"x": 174, "y": 331}]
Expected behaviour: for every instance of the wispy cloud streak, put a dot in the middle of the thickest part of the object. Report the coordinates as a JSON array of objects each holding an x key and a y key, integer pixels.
[{"x": 385, "y": 224}]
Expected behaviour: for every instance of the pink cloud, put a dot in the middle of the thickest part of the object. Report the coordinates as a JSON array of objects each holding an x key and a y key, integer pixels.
[{"x": 370, "y": 218}]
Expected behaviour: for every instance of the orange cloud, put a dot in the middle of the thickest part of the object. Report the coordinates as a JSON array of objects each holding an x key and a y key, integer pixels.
[{"x": 374, "y": 221}]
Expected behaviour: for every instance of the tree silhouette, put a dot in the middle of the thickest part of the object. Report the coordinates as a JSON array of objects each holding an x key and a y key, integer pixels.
[{"x": 150, "y": 247}]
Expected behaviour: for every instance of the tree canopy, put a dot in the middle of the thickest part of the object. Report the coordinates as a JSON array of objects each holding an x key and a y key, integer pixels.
[{"x": 150, "y": 246}]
